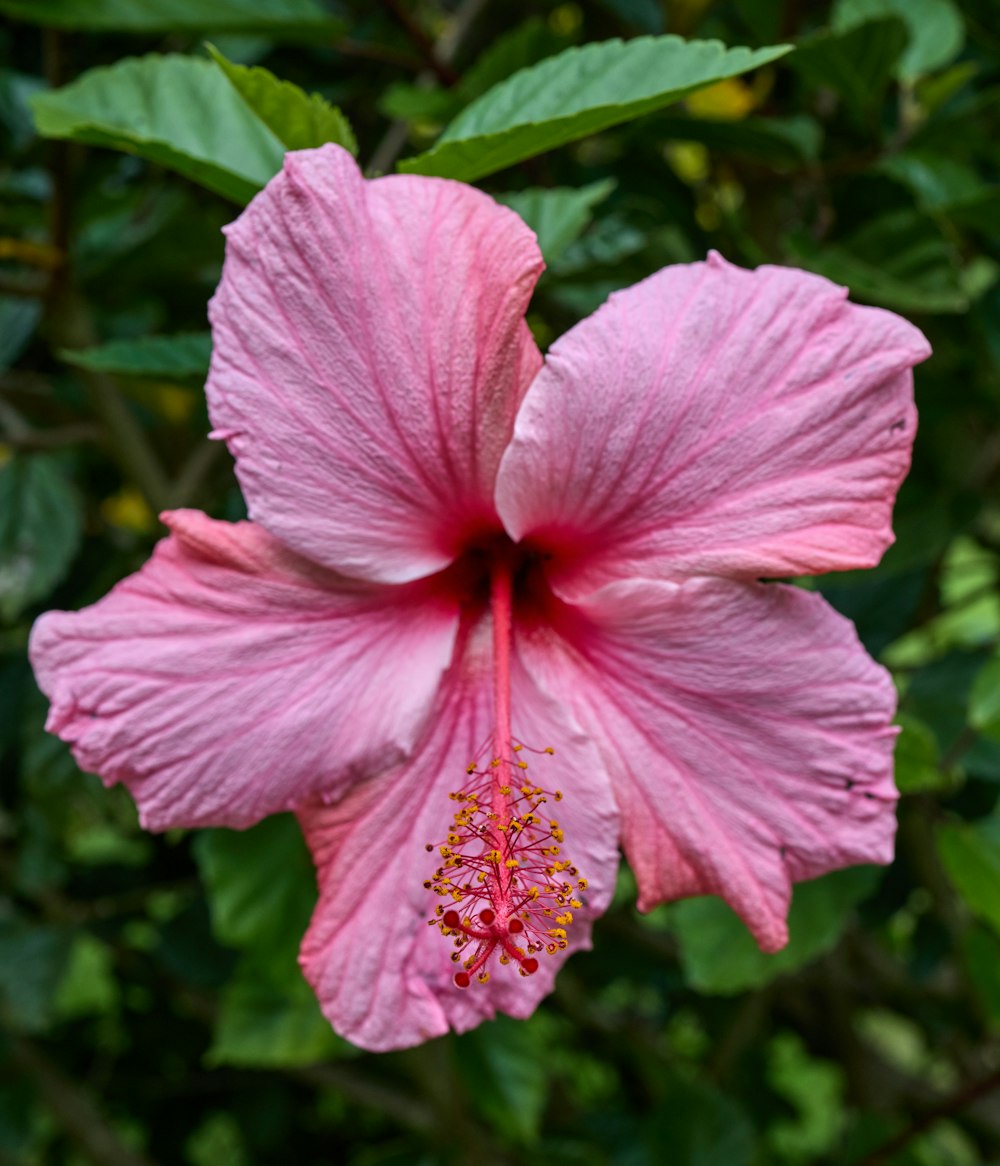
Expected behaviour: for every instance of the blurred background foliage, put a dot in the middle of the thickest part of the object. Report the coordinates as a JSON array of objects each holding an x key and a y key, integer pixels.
[{"x": 150, "y": 1003}]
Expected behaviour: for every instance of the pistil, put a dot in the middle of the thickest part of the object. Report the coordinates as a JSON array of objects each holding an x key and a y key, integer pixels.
[{"x": 511, "y": 891}]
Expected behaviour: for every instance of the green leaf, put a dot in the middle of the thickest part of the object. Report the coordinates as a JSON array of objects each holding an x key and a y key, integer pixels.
[
  {"x": 917, "y": 757},
  {"x": 558, "y": 215},
  {"x": 899, "y": 260},
  {"x": 32, "y": 962},
  {"x": 88, "y": 987},
  {"x": 938, "y": 693},
  {"x": 814, "y": 1089},
  {"x": 934, "y": 92},
  {"x": 982, "y": 758},
  {"x": 261, "y": 892},
  {"x": 408, "y": 102},
  {"x": 935, "y": 29},
  {"x": 292, "y": 18},
  {"x": 981, "y": 949},
  {"x": 938, "y": 182},
  {"x": 577, "y": 93},
  {"x": 984, "y": 699},
  {"x": 719, "y": 955},
  {"x": 511, "y": 1072},
  {"x": 299, "y": 120},
  {"x": 40, "y": 529},
  {"x": 611, "y": 240},
  {"x": 857, "y": 63},
  {"x": 702, "y": 1127},
  {"x": 181, "y": 356},
  {"x": 19, "y": 317},
  {"x": 178, "y": 111},
  {"x": 15, "y": 116},
  {"x": 980, "y": 212},
  {"x": 970, "y": 853},
  {"x": 268, "y": 1020},
  {"x": 261, "y": 885}
]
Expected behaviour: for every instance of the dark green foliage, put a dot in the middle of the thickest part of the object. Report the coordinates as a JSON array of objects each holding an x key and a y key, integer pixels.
[{"x": 151, "y": 1008}]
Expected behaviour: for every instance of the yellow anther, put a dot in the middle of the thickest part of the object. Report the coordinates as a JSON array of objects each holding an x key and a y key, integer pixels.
[
  {"x": 522, "y": 765},
  {"x": 505, "y": 790},
  {"x": 495, "y": 762},
  {"x": 548, "y": 749},
  {"x": 518, "y": 748},
  {"x": 512, "y": 864},
  {"x": 575, "y": 904},
  {"x": 565, "y": 918},
  {"x": 483, "y": 977},
  {"x": 558, "y": 795},
  {"x": 583, "y": 884}
]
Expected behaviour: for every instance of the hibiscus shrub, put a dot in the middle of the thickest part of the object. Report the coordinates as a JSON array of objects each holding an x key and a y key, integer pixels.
[{"x": 441, "y": 521}]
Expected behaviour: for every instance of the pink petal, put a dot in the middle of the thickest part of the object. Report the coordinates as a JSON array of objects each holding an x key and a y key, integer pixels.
[
  {"x": 747, "y": 734},
  {"x": 370, "y": 354},
  {"x": 711, "y": 420},
  {"x": 229, "y": 678},
  {"x": 382, "y": 975}
]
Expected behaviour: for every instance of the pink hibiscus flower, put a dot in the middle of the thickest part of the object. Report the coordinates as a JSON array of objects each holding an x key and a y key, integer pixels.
[{"x": 475, "y": 585}]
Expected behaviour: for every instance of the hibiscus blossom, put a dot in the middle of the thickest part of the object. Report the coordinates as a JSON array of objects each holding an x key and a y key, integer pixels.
[{"x": 492, "y": 616}]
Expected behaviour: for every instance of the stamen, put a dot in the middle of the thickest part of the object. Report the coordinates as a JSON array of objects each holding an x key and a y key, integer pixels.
[
  {"x": 506, "y": 893},
  {"x": 499, "y": 866}
]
